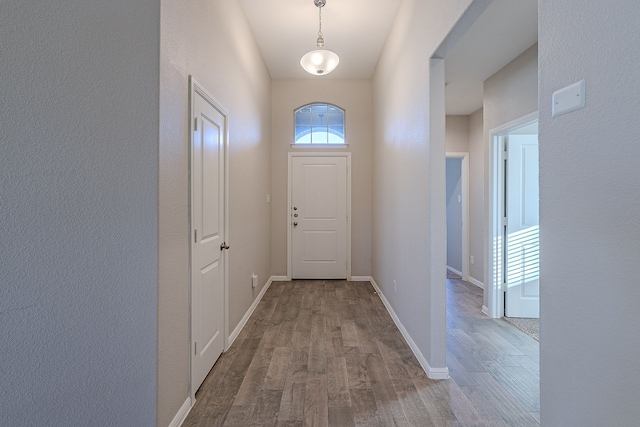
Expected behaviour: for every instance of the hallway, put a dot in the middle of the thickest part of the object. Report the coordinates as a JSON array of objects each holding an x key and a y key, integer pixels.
[
  {"x": 492, "y": 363},
  {"x": 326, "y": 353}
]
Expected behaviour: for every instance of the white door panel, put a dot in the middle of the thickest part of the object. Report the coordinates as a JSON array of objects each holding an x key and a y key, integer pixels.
[
  {"x": 207, "y": 236},
  {"x": 319, "y": 217},
  {"x": 522, "y": 252},
  {"x": 320, "y": 246}
]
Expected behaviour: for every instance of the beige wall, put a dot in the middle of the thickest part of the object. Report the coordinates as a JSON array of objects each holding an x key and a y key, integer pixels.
[
  {"x": 79, "y": 227},
  {"x": 210, "y": 40},
  {"x": 354, "y": 96},
  {"x": 457, "y": 134},
  {"x": 509, "y": 94},
  {"x": 589, "y": 205},
  {"x": 512, "y": 92},
  {"x": 409, "y": 172},
  {"x": 476, "y": 197}
]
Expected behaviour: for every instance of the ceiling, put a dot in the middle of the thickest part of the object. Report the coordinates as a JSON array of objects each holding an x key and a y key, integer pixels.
[
  {"x": 287, "y": 29},
  {"x": 357, "y": 29},
  {"x": 505, "y": 30}
]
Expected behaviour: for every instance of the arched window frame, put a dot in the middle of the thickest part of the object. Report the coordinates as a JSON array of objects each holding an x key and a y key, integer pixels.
[{"x": 334, "y": 125}]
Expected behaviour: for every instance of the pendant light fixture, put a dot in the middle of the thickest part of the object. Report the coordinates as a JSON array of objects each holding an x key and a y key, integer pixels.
[{"x": 321, "y": 61}]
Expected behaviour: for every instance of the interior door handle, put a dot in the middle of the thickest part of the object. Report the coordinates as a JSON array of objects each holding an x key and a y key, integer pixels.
[
  {"x": 295, "y": 224},
  {"x": 224, "y": 246}
]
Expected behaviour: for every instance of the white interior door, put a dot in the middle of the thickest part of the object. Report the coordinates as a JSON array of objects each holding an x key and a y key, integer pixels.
[
  {"x": 207, "y": 235},
  {"x": 319, "y": 217},
  {"x": 522, "y": 243}
]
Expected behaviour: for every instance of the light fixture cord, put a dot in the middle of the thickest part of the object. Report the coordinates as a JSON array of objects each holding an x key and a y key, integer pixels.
[{"x": 319, "y": 4}]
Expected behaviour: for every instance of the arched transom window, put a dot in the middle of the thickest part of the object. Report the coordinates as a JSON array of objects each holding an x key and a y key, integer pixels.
[{"x": 319, "y": 124}]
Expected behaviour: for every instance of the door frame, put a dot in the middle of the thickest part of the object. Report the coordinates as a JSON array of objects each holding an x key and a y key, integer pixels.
[
  {"x": 347, "y": 156},
  {"x": 495, "y": 286},
  {"x": 464, "y": 178},
  {"x": 196, "y": 87}
]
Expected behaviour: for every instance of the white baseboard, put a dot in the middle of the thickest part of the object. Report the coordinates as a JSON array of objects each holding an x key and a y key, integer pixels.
[
  {"x": 485, "y": 310},
  {"x": 279, "y": 279},
  {"x": 361, "y": 278},
  {"x": 438, "y": 373},
  {"x": 182, "y": 413},
  {"x": 249, "y": 312},
  {"x": 433, "y": 373},
  {"x": 476, "y": 282},
  {"x": 454, "y": 271},
  {"x": 469, "y": 279}
]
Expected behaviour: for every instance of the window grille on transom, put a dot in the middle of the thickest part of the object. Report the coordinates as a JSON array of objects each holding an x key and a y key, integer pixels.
[{"x": 319, "y": 124}]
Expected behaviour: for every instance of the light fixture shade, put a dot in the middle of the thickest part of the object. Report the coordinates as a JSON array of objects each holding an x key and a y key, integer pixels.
[{"x": 320, "y": 62}]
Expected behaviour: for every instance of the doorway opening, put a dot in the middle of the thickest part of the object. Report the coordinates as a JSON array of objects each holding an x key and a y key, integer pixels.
[
  {"x": 457, "y": 182},
  {"x": 513, "y": 244},
  {"x": 208, "y": 202}
]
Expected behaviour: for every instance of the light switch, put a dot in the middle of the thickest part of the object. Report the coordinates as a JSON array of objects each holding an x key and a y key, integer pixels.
[{"x": 568, "y": 99}]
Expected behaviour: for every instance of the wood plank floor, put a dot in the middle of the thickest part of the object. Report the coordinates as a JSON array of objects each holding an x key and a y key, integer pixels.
[{"x": 327, "y": 353}]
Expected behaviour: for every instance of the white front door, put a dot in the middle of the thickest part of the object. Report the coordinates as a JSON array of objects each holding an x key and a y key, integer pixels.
[
  {"x": 522, "y": 250},
  {"x": 207, "y": 234},
  {"x": 318, "y": 217}
]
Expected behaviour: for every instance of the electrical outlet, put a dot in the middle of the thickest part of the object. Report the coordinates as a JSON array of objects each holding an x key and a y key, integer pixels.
[
  {"x": 395, "y": 287},
  {"x": 254, "y": 280}
]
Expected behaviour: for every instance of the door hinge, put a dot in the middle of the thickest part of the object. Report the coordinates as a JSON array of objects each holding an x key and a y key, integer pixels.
[
  {"x": 195, "y": 236},
  {"x": 505, "y": 155},
  {"x": 195, "y": 348},
  {"x": 195, "y": 124}
]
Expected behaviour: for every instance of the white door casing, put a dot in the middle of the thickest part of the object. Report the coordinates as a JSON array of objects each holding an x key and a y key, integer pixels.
[
  {"x": 496, "y": 232},
  {"x": 522, "y": 256},
  {"x": 464, "y": 156},
  {"x": 208, "y": 232},
  {"x": 319, "y": 212}
]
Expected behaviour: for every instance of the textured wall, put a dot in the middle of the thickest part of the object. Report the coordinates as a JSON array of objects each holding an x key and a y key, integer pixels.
[
  {"x": 589, "y": 209},
  {"x": 78, "y": 200},
  {"x": 512, "y": 92},
  {"x": 354, "y": 95},
  {"x": 457, "y": 134},
  {"x": 409, "y": 167},
  {"x": 210, "y": 40}
]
